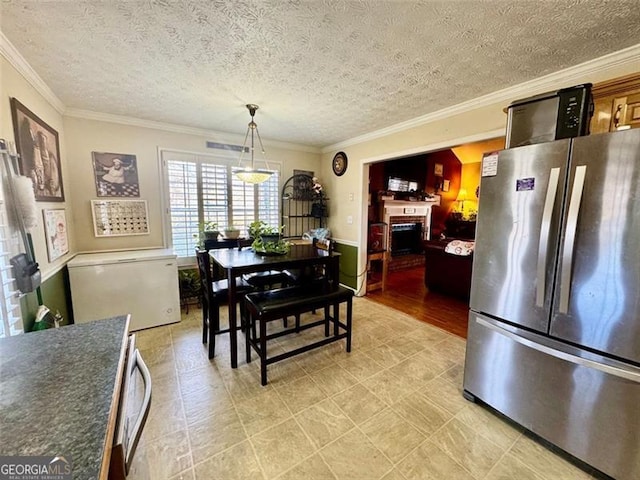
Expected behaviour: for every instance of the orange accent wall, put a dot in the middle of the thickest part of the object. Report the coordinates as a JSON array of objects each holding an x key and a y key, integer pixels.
[
  {"x": 470, "y": 156},
  {"x": 452, "y": 171}
]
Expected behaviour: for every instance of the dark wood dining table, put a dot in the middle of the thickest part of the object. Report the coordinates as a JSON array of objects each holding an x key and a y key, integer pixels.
[{"x": 236, "y": 262}]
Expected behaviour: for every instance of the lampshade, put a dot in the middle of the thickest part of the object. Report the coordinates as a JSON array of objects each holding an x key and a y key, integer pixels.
[
  {"x": 252, "y": 174},
  {"x": 462, "y": 195}
]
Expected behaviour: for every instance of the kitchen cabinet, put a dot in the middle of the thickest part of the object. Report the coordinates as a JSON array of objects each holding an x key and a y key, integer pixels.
[{"x": 616, "y": 104}]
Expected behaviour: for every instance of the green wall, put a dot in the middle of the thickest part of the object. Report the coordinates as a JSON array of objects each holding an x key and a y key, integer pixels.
[
  {"x": 56, "y": 295},
  {"x": 348, "y": 264}
]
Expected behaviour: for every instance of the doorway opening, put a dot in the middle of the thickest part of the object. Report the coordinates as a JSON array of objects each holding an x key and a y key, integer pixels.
[{"x": 437, "y": 177}]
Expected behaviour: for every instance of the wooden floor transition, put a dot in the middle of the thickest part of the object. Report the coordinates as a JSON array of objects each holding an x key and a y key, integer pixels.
[{"x": 406, "y": 292}]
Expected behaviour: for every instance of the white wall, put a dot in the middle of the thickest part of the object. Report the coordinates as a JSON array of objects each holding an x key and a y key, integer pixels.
[
  {"x": 85, "y": 136},
  {"x": 13, "y": 84}
]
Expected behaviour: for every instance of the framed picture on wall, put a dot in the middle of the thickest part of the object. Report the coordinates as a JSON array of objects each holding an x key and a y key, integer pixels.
[
  {"x": 39, "y": 149},
  {"x": 116, "y": 174},
  {"x": 55, "y": 232}
]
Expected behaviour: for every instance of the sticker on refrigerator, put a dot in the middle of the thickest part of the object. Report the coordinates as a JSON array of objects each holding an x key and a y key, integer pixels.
[
  {"x": 490, "y": 164},
  {"x": 525, "y": 184}
]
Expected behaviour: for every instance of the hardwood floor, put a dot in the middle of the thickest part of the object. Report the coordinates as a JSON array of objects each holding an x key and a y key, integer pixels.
[{"x": 406, "y": 292}]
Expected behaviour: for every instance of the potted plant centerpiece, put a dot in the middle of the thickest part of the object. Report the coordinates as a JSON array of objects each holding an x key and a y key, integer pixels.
[
  {"x": 231, "y": 232},
  {"x": 267, "y": 240},
  {"x": 210, "y": 230}
]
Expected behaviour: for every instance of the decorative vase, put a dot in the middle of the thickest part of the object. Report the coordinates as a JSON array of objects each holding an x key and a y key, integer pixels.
[
  {"x": 211, "y": 234},
  {"x": 231, "y": 234}
]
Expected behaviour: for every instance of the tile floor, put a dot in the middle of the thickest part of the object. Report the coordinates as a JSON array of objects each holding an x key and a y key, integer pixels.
[{"x": 392, "y": 409}]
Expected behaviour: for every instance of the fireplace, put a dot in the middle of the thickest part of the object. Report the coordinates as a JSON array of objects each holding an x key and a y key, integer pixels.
[
  {"x": 406, "y": 238},
  {"x": 409, "y": 224}
]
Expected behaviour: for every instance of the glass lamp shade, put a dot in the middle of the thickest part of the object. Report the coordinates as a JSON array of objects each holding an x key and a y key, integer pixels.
[{"x": 251, "y": 175}]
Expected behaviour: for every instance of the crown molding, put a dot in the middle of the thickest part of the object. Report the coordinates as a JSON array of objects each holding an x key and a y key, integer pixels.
[
  {"x": 8, "y": 51},
  {"x": 628, "y": 57},
  {"x": 211, "y": 135},
  {"x": 434, "y": 147}
]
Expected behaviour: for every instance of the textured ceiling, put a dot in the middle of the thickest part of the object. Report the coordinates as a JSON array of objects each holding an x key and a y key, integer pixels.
[{"x": 322, "y": 71}]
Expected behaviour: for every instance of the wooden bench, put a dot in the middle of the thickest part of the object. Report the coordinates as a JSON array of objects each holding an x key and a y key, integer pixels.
[{"x": 264, "y": 307}]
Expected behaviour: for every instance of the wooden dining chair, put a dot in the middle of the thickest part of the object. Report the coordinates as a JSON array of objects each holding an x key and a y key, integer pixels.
[{"x": 214, "y": 293}]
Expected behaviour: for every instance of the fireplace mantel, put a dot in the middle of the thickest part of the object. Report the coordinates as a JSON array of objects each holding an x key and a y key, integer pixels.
[{"x": 403, "y": 208}]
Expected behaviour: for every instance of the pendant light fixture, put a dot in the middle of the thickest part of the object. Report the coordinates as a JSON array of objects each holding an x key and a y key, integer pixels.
[{"x": 252, "y": 174}]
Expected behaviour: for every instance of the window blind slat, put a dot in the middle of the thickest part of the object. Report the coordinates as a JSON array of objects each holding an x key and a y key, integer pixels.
[
  {"x": 10, "y": 324},
  {"x": 204, "y": 189}
]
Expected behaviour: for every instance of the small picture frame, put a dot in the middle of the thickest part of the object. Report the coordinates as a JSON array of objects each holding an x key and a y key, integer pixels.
[
  {"x": 55, "y": 231},
  {"x": 116, "y": 174},
  {"x": 445, "y": 185},
  {"x": 438, "y": 170},
  {"x": 39, "y": 149}
]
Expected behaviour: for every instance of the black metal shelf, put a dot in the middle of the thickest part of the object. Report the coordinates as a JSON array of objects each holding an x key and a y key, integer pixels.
[{"x": 297, "y": 206}]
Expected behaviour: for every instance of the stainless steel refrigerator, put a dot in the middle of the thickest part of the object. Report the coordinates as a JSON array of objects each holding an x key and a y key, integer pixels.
[{"x": 554, "y": 325}]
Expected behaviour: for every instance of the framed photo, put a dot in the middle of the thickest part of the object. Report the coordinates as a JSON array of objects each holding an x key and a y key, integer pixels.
[
  {"x": 116, "y": 174},
  {"x": 55, "y": 231},
  {"x": 438, "y": 170},
  {"x": 445, "y": 185},
  {"x": 39, "y": 149}
]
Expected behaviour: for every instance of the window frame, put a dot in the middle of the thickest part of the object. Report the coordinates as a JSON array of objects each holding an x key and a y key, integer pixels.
[{"x": 231, "y": 162}]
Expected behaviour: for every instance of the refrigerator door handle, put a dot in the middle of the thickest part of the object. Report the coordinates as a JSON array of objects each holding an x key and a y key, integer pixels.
[
  {"x": 545, "y": 227},
  {"x": 570, "y": 237},
  {"x": 568, "y": 357}
]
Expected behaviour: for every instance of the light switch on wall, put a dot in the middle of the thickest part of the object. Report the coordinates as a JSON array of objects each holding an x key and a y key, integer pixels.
[
  {"x": 351, "y": 197},
  {"x": 350, "y": 220}
]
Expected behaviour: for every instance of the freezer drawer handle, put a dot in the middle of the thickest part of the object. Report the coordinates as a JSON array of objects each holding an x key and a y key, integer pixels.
[
  {"x": 545, "y": 227},
  {"x": 144, "y": 410},
  {"x": 584, "y": 362},
  {"x": 570, "y": 237}
]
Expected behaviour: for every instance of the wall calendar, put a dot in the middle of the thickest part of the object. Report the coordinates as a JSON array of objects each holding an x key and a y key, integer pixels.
[{"x": 119, "y": 217}]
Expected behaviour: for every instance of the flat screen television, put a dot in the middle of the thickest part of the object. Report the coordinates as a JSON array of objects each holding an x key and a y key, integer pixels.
[{"x": 396, "y": 184}]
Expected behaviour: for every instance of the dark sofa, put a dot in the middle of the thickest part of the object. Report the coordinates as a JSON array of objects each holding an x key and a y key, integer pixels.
[{"x": 447, "y": 273}]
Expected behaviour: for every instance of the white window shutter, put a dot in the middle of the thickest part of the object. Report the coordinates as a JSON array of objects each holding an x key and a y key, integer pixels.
[
  {"x": 10, "y": 313},
  {"x": 203, "y": 189}
]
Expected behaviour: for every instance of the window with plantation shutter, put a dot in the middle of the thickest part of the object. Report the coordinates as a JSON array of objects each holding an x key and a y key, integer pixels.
[
  {"x": 244, "y": 202},
  {"x": 269, "y": 201},
  {"x": 10, "y": 314},
  {"x": 202, "y": 188},
  {"x": 183, "y": 198}
]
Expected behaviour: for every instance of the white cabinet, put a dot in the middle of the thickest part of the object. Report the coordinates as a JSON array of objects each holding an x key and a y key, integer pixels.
[{"x": 143, "y": 283}]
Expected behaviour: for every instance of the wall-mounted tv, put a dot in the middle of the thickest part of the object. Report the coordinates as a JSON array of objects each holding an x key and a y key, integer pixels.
[{"x": 396, "y": 184}]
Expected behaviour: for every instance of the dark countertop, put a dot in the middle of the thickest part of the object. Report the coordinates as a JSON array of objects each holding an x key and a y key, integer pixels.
[{"x": 57, "y": 392}]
